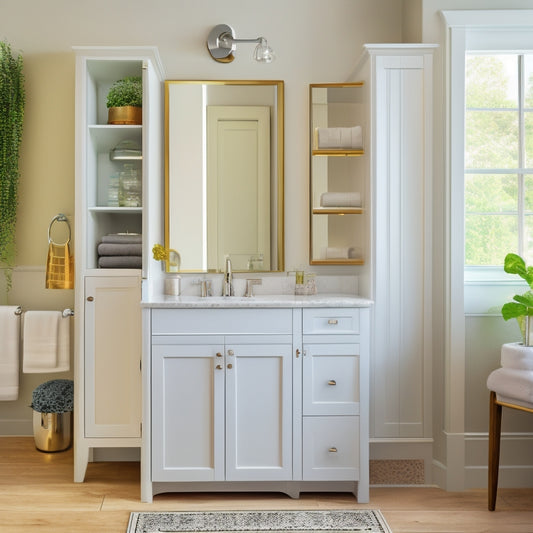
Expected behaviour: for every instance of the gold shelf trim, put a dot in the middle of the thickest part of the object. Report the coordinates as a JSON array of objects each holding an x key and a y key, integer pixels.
[
  {"x": 339, "y": 153},
  {"x": 337, "y": 262},
  {"x": 338, "y": 210}
]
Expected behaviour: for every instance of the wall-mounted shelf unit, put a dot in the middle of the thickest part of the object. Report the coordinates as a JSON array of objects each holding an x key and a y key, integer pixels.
[{"x": 338, "y": 174}]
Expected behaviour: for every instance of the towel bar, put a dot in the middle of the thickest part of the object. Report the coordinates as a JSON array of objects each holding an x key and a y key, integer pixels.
[{"x": 66, "y": 312}]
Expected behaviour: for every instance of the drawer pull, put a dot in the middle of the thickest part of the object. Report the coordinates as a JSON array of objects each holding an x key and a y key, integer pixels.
[
  {"x": 219, "y": 354},
  {"x": 333, "y": 321},
  {"x": 332, "y": 450},
  {"x": 332, "y": 382},
  {"x": 219, "y": 367}
]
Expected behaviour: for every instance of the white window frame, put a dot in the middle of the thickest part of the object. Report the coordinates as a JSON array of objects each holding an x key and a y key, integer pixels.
[{"x": 468, "y": 30}]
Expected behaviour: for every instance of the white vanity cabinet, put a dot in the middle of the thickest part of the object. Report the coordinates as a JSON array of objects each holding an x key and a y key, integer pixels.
[
  {"x": 222, "y": 397},
  {"x": 333, "y": 392},
  {"x": 241, "y": 398}
]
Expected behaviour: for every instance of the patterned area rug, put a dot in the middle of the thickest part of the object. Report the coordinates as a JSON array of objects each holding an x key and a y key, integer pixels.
[{"x": 346, "y": 521}]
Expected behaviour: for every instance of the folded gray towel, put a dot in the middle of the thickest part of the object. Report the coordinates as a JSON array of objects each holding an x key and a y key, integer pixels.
[
  {"x": 105, "y": 248},
  {"x": 123, "y": 238},
  {"x": 120, "y": 261}
]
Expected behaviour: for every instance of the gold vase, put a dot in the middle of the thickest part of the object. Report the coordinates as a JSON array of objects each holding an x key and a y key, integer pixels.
[{"x": 128, "y": 114}]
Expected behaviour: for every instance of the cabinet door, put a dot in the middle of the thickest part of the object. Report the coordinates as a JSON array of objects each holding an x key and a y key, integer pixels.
[
  {"x": 187, "y": 413},
  {"x": 331, "y": 379},
  {"x": 112, "y": 356},
  {"x": 331, "y": 448},
  {"x": 258, "y": 412}
]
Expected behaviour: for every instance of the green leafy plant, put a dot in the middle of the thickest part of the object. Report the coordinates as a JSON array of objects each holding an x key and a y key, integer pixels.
[
  {"x": 521, "y": 307},
  {"x": 126, "y": 92},
  {"x": 12, "y": 99}
]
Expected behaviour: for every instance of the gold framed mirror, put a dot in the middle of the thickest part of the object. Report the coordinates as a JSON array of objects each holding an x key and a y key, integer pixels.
[{"x": 224, "y": 174}]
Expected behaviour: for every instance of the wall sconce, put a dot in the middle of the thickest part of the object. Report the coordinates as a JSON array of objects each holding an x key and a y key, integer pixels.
[{"x": 221, "y": 43}]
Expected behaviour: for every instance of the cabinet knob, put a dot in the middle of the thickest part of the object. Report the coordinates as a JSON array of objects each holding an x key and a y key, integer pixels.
[
  {"x": 332, "y": 450},
  {"x": 333, "y": 321},
  {"x": 297, "y": 353},
  {"x": 90, "y": 298},
  {"x": 332, "y": 382},
  {"x": 219, "y": 354},
  {"x": 230, "y": 352},
  {"x": 219, "y": 367},
  {"x": 230, "y": 365}
]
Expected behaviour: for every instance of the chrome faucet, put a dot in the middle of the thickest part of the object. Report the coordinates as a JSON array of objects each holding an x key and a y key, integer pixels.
[{"x": 228, "y": 279}]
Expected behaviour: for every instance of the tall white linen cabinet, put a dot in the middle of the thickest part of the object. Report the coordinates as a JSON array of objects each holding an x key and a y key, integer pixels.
[
  {"x": 398, "y": 80},
  {"x": 107, "y": 371}
]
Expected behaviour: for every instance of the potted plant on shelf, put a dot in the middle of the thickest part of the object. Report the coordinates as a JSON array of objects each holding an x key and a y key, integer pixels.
[
  {"x": 124, "y": 101},
  {"x": 513, "y": 354}
]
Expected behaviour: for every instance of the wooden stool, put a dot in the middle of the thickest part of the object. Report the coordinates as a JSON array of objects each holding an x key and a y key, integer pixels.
[{"x": 511, "y": 388}]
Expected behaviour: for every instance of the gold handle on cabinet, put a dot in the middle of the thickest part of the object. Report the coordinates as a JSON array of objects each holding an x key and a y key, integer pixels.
[
  {"x": 219, "y": 367},
  {"x": 90, "y": 298},
  {"x": 219, "y": 354},
  {"x": 332, "y": 450},
  {"x": 333, "y": 321},
  {"x": 230, "y": 365},
  {"x": 231, "y": 352},
  {"x": 332, "y": 382},
  {"x": 297, "y": 353}
]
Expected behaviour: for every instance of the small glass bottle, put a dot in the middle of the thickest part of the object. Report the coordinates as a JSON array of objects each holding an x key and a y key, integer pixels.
[
  {"x": 112, "y": 191},
  {"x": 130, "y": 188}
]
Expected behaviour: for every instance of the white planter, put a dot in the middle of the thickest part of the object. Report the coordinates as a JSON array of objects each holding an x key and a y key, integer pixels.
[{"x": 516, "y": 355}]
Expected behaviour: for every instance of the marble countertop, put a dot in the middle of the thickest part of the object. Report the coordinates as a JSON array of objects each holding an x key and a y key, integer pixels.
[{"x": 258, "y": 301}]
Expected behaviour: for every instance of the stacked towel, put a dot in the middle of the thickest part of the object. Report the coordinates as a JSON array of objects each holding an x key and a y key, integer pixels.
[
  {"x": 46, "y": 341},
  {"x": 120, "y": 250},
  {"x": 340, "y": 138},
  {"x": 9, "y": 352},
  {"x": 340, "y": 199},
  {"x": 512, "y": 385},
  {"x": 336, "y": 252}
]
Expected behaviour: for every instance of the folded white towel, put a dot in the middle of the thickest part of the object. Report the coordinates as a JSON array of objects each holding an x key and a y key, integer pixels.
[
  {"x": 512, "y": 385},
  {"x": 515, "y": 355},
  {"x": 340, "y": 199},
  {"x": 46, "y": 341},
  {"x": 340, "y": 138},
  {"x": 9, "y": 353},
  {"x": 336, "y": 252}
]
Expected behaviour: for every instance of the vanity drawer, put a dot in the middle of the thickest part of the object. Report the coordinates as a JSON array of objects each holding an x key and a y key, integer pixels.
[
  {"x": 330, "y": 448},
  {"x": 221, "y": 321},
  {"x": 331, "y": 379},
  {"x": 344, "y": 321}
]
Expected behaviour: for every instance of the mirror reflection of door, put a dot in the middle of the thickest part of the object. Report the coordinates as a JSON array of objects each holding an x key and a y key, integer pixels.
[{"x": 238, "y": 187}]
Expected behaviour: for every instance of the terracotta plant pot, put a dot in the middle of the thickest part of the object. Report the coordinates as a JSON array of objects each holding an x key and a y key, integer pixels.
[{"x": 129, "y": 115}]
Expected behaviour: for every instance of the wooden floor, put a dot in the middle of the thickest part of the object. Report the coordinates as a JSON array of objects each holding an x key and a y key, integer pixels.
[{"x": 37, "y": 494}]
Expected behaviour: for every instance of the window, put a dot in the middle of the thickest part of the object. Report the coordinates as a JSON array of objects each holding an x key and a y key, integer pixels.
[{"x": 498, "y": 181}]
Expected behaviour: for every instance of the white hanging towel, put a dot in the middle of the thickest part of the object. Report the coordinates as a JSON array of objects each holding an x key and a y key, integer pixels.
[
  {"x": 9, "y": 352},
  {"x": 46, "y": 342}
]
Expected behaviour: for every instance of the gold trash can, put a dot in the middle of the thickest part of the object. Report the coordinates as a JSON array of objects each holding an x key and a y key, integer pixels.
[
  {"x": 52, "y": 431},
  {"x": 52, "y": 404}
]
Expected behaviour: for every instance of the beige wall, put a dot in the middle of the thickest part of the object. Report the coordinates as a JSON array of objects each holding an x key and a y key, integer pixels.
[{"x": 315, "y": 41}]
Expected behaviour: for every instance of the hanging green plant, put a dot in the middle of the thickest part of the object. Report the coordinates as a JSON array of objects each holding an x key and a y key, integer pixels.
[{"x": 12, "y": 98}]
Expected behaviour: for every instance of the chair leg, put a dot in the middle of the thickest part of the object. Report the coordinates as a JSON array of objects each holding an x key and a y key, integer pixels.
[{"x": 495, "y": 426}]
